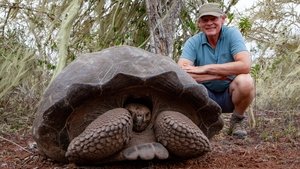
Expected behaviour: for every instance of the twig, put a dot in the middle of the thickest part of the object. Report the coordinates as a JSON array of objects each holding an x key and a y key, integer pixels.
[{"x": 15, "y": 144}]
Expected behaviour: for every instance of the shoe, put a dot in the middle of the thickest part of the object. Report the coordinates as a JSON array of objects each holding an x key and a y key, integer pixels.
[{"x": 237, "y": 127}]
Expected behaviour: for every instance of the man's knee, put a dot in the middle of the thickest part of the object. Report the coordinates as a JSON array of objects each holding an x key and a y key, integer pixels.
[{"x": 243, "y": 83}]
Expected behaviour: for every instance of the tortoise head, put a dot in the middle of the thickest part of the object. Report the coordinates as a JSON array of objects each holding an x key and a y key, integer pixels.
[{"x": 141, "y": 115}]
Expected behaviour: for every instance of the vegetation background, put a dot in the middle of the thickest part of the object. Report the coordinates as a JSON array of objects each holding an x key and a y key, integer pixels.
[{"x": 38, "y": 38}]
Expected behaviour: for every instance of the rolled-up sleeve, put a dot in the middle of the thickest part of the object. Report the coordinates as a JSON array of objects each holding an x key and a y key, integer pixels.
[
  {"x": 237, "y": 42},
  {"x": 189, "y": 50}
]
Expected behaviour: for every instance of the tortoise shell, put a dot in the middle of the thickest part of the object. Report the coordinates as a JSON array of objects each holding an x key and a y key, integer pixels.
[{"x": 98, "y": 82}]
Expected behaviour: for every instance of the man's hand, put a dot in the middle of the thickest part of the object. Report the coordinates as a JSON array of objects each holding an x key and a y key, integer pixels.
[{"x": 200, "y": 70}]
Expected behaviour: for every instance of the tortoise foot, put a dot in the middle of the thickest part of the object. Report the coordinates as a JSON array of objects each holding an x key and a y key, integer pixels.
[
  {"x": 180, "y": 135},
  {"x": 103, "y": 137},
  {"x": 146, "y": 151}
]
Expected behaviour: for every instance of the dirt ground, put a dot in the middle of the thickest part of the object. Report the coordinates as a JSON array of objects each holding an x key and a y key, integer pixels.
[{"x": 273, "y": 144}]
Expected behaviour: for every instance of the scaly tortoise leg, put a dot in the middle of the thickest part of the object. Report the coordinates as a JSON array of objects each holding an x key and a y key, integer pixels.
[
  {"x": 103, "y": 137},
  {"x": 180, "y": 135}
]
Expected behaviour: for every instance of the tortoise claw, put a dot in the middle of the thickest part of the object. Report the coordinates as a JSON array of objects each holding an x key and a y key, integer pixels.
[
  {"x": 180, "y": 135},
  {"x": 147, "y": 151},
  {"x": 103, "y": 137}
]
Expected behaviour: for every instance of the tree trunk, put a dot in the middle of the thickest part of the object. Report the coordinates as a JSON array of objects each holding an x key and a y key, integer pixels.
[{"x": 163, "y": 15}]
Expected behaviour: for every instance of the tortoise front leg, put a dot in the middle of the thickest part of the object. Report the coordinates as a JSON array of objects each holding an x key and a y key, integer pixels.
[
  {"x": 103, "y": 137},
  {"x": 180, "y": 135}
]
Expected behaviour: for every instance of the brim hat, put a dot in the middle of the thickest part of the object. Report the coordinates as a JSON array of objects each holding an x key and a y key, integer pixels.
[{"x": 212, "y": 9}]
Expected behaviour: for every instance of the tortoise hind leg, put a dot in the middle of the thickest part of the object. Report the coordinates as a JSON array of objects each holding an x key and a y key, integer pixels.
[
  {"x": 180, "y": 135},
  {"x": 105, "y": 136}
]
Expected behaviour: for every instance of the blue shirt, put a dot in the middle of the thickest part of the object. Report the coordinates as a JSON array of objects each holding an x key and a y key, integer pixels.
[{"x": 199, "y": 51}]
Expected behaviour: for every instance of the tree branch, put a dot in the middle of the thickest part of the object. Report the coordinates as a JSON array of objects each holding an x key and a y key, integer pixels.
[{"x": 69, "y": 15}]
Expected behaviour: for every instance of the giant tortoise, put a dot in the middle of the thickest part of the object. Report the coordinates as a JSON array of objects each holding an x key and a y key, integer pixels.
[{"x": 124, "y": 103}]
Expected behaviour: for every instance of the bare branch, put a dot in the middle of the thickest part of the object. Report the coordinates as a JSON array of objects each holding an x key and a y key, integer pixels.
[{"x": 69, "y": 15}]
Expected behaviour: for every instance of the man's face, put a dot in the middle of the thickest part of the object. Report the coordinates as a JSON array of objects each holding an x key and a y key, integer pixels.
[{"x": 211, "y": 25}]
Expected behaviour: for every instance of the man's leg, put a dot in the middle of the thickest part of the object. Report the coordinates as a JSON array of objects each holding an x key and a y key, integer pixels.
[{"x": 242, "y": 91}]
